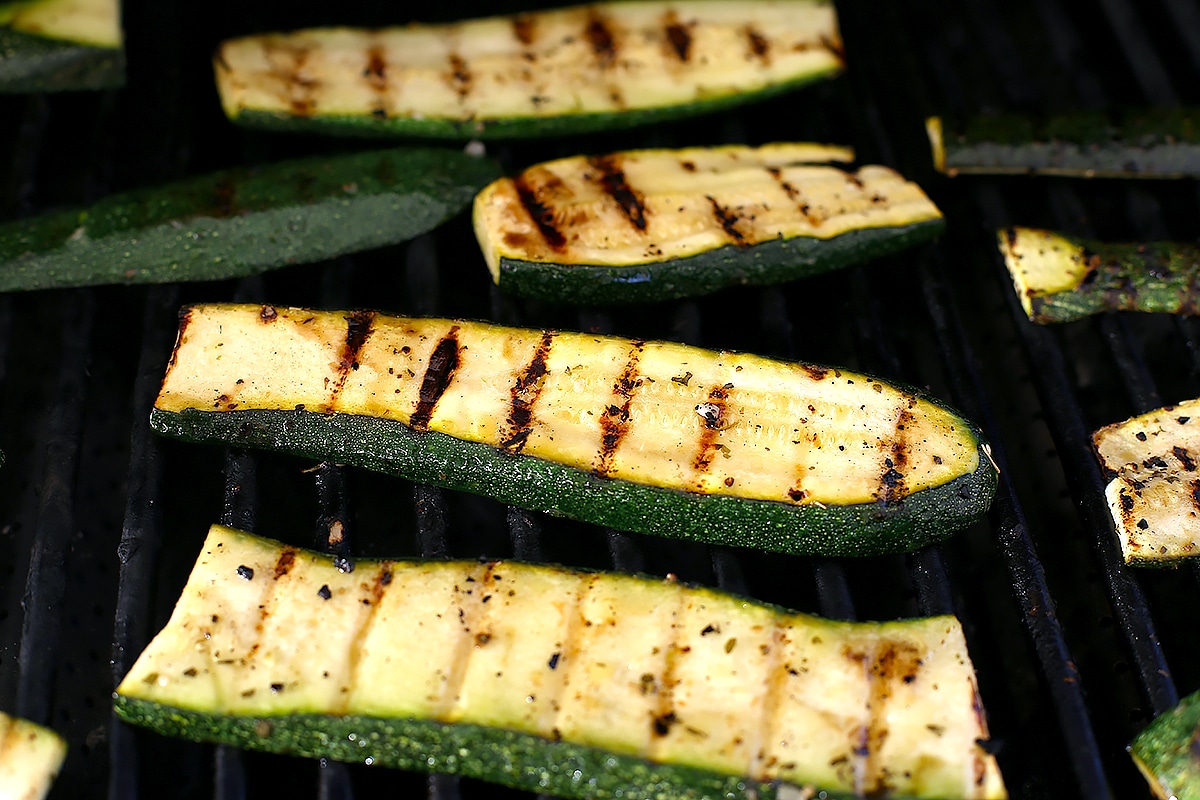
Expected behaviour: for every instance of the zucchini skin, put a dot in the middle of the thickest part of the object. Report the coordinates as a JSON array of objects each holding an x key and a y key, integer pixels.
[
  {"x": 1165, "y": 751},
  {"x": 771, "y": 262},
  {"x": 242, "y": 222},
  {"x": 31, "y": 63},
  {"x": 390, "y": 447},
  {"x": 1129, "y": 143}
]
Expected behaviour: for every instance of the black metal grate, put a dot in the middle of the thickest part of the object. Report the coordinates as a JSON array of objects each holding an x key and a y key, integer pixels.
[{"x": 101, "y": 521}]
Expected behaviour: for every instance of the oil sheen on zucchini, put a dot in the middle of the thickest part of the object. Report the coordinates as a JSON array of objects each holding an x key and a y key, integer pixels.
[
  {"x": 30, "y": 758},
  {"x": 1061, "y": 278},
  {"x": 584, "y": 68},
  {"x": 241, "y": 222},
  {"x": 1150, "y": 462},
  {"x": 56, "y": 45},
  {"x": 659, "y": 224},
  {"x": 578, "y": 684},
  {"x": 653, "y": 437}
]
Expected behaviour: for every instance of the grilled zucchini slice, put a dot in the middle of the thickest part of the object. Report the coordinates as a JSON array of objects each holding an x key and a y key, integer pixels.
[
  {"x": 643, "y": 436},
  {"x": 659, "y": 224},
  {"x": 240, "y": 222},
  {"x": 56, "y": 45},
  {"x": 1154, "y": 484},
  {"x": 1061, "y": 278},
  {"x": 579, "y": 684},
  {"x": 30, "y": 758},
  {"x": 1165, "y": 751},
  {"x": 585, "y": 68}
]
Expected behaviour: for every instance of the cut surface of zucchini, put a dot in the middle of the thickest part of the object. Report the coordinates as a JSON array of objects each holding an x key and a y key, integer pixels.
[
  {"x": 548, "y": 679},
  {"x": 658, "y": 224},
  {"x": 1061, "y": 278},
  {"x": 1165, "y": 751},
  {"x": 645, "y": 436},
  {"x": 240, "y": 222},
  {"x": 583, "y": 68},
  {"x": 30, "y": 758},
  {"x": 1153, "y": 492},
  {"x": 57, "y": 45}
]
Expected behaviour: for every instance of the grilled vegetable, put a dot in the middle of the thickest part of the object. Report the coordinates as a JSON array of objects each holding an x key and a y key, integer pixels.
[
  {"x": 1060, "y": 278},
  {"x": 581, "y": 684},
  {"x": 245, "y": 221},
  {"x": 1141, "y": 143},
  {"x": 30, "y": 758},
  {"x": 55, "y": 45},
  {"x": 643, "y": 436},
  {"x": 657, "y": 224},
  {"x": 590, "y": 67},
  {"x": 1165, "y": 751},
  {"x": 1154, "y": 485}
]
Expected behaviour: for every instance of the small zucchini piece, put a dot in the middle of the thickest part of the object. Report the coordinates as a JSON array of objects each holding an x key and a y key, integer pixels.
[
  {"x": 643, "y": 436},
  {"x": 543, "y": 73},
  {"x": 1061, "y": 278},
  {"x": 651, "y": 225},
  {"x": 59, "y": 45},
  {"x": 1166, "y": 751},
  {"x": 1153, "y": 492},
  {"x": 586, "y": 685},
  {"x": 1130, "y": 143},
  {"x": 30, "y": 758},
  {"x": 244, "y": 221}
]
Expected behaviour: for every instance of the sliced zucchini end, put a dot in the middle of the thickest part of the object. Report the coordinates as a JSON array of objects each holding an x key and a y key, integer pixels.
[
  {"x": 1041, "y": 263},
  {"x": 937, "y": 144}
]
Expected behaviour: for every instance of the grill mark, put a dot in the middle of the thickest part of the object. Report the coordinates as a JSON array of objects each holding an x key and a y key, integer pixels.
[
  {"x": 1184, "y": 458},
  {"x": 614, "y": 421},
  {"x": 1195, "y": 487},
  {"x": 8, "y": 740},
  {"x": 760, "y": 47},
  {"x": 460, "y": 75},
  {"x": 524, "y": 27},
  {"x": 851, "y": 178},
  {"x": 379, "y": 587},
  {"x": 834, "y": 46},
  {"x": 542, "y": 214},
  {"x": 773, "y": 699},
  {"x": 358, "y": 329},
  {"x": 796, "y": 196},
  {"x": 893, "y": 661},
  {"x": 709, "y": 430},
  {"x": 728, "y": 221},
  {"x": 664, "y": 713},
  {"x": 600, "y": 38},
  {"x": 375, "y": 74},
  {"x": 525, "y": 392},
  {"x": 299, "y": 89},
  {"x": 612, "y": 179},
  {"x": 284, "y": 564},
  {"x": 443, "y": 363},
  {"x": 895, "y": 459},
  {"x": 678, "y": 36},
  {"x": 466, "y": 641}
]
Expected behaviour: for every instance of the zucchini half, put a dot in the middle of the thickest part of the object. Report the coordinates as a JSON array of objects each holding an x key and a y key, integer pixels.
[
  {"x": 30, "y": 758},
  {"x": 588, "y": 685},
  {"x": 1153, "y": 492},
  {"x": 1061, "y": 278},
  {"x": 545, "y": 73},
  {"x": 1131, "y": 143},
  {"x": 653, "y": 437},
  {"x": 57, "y": 45},
  {"x": 1165, "y": 751},
  {"x": 245, "y": 221},
  {"x": 659, "y": 224}
]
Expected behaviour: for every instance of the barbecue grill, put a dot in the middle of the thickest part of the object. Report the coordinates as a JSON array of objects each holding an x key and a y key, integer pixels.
[{"x": 1075, "y": 652}]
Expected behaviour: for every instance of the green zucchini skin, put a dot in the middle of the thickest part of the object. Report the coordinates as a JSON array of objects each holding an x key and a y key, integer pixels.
[
  {"x": 1165, "y": 751},
  {"x": 31, "y": 63},
  {"x": 390, "y": 447},
  {"x": 771, "y": 262},
  {"x": 242, "y": 222},
  {"x": 519, "y": 760},
  {"x": 1129, "y": 143}
]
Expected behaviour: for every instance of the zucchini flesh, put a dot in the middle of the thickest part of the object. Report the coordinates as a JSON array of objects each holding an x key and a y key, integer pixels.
[
  {"x": 658, "y": 224},
  {"x": 30, "y": 758},
  {"x": 1061, "y": 278},
  {"x": 548, "y": 679},
  {"x": 1130, "y": 143},
  {"x": 1153, "y": 492},
  {"x": 1165, "y": 751},
  {"x": 653, "y": 437},
  {"x": 56, "y": 45},
  {"x": 240, "y": 222},
  {"x": 540, "y": 73}
]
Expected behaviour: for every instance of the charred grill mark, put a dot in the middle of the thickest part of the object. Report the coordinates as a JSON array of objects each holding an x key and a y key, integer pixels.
[
  {"x": 614, "y": 422},
  {"x": 851, "y": 178},
  {"x": 542, "y": 214},
  {"x": 612, "y": 178},
  {"x": 895, "y": 460},
  {"x": 375, "y": 73},
  {"x": 525, "y": 393},
  {"x": 284, "y": 564},
  {"x": 834, "y": 46},
  {"x": 893, "y": 662},
  {"x": 600, "y": 38},
  {"x": 728, "y": 221},
  {"x": 678, "y": 36},
  {"x": 358, "y": 329},
  {"x": 760, "y": 47},
  {"x": 443, "y": 363},
  {"x": 1184, "y": 458},
  {"x": 299, "y": 89},
  {"x": 717, "y": 397},
  {"x": 796, "y": 197},
  {"x": 1195, "y": 487},
  {"x": 524, "y": 28},
  {"x": 460, "y": 75}
]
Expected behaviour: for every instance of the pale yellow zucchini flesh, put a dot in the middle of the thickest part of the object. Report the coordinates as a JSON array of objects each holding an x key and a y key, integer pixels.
[
  {"x": 1153, "y": 491},
  {"x": 89, "y": 22},
  {"x": 654, "y": 413},
  {"x": 637, "y": 667},
  {"x": 30, "y": 758},
  {"x": 1041, "y": 263},
  {"x": 648, "y": 206},
  {"x": 604, "y": 59}
]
